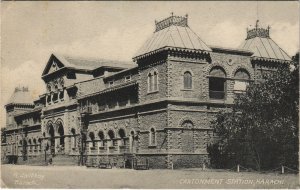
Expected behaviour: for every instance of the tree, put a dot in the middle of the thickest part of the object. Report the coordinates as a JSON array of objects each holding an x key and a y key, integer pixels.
[{"x": 261, "y": 130}]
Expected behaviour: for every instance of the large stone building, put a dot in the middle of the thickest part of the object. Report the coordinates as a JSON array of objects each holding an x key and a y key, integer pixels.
[{"x": 157, "y": 108}]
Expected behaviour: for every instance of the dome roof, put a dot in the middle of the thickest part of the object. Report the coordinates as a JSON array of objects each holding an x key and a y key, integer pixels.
[
  {"x": 261, "y": 44},
  {"x": 21, "y": 95},
  {"x": 172, "y": 32}
]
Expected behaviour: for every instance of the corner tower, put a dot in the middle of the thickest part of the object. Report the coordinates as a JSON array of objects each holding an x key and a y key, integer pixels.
[
  {"x": 172, "y": 40},
  {"x": 21, "y": 101},
  {"x": 267, "y": 54}
]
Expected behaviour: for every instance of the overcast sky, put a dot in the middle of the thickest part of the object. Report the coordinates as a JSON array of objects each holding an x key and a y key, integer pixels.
[{"x": 31, "y": 31}]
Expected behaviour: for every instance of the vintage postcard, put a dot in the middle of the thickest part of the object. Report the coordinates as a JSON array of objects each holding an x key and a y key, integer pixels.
[{"x": 161, "y": 94}]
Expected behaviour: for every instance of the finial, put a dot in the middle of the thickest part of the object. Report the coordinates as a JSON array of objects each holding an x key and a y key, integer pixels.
[
  {"x": 256, "y": 25},
  {"x": 155, "y": 21},
  {"x": 172, "y": 13},
  {"x": 269, "y": 27},
  {"x": 186, "y": 15}
]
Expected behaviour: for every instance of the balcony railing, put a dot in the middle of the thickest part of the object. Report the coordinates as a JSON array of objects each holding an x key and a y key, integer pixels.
[{"x": 218, "y": 95}]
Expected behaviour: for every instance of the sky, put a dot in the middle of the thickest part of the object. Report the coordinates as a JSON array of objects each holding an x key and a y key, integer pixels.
[{"x": 31, "y": 31}]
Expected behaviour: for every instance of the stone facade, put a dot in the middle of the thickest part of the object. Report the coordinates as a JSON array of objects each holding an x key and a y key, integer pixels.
[{"x": 157, "y": 111}]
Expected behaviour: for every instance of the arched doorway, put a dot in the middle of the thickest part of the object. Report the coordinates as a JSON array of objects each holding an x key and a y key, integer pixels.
[
  {"x": 61, "y": 134},
  {"x": 132, "y": 142},
  {"x": 52, "y": 139}
]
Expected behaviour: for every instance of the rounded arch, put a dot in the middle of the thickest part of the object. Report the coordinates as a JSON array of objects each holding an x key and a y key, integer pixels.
[
  {"x": 111, "y": 134},
  {"x": 241, "y": 73},
  {"x": 217, "y": 71},
  {"x": 34, "y": 141},
  {"x": 92, "y": 136},
  {"x": 122, "y": 133},
  {"x": 183, "y": 120},
  {"x": 73, "y": 131},
  {"x": 101, "y": 135},
  {"x": 132, "y": 132},
  {"x": 187, "y": 70},
  {"x": 213, "y": 65}
]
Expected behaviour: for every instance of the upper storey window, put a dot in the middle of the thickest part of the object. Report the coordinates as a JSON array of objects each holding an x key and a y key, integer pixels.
[
  {"x": 128, "y": 78},
  {"x": 187, "y": 80},
  {"x": 217, "y": 83},
  {"x": 153, "y": 81},
  {"x": 241, "y": 82},
  {"x": 110, "y": 83}
]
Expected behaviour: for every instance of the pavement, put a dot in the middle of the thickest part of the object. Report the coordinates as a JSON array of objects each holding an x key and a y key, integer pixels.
[{"x": 17, "y": 176}]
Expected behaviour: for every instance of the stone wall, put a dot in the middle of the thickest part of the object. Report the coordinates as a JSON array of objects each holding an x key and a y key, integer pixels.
[{"x": 144, "y": 95}]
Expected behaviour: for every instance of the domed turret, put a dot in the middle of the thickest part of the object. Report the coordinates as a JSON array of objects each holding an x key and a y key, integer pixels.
[{"x": 263, "y": 47}]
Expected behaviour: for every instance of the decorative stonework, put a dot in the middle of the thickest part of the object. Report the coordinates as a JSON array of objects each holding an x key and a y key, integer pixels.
[
  {"x": 258, "y": 32},
  {"x": 172, "y": 20}
]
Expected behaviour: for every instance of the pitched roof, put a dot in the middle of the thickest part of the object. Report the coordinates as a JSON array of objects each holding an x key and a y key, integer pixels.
[
  {"x": 261, "y": 44},
  {"x": 173, "y": 32},
  {"x": 21, "y": 96},
  {"x": 85, "y": 63}
]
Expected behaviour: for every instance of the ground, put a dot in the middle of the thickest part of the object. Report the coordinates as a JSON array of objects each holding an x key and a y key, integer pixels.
[{"x": 16, "y": 176}]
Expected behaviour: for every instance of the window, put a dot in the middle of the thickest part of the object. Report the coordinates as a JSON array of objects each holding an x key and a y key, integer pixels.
[
  {"x": 155, "y": 78},
  {"x": 152, "y": 136},
  {"x": 217, "y": 83},
  {"x": 101, "y": 137},
  {"x": 153, "y": 81},
  {"x": 241, "y": 81},
  {"x": 111, "y": 136},
  {"x": 187, "y": 80},
  {"x": 187, "y": 124},
  {"x": 73, "y": 138},
  {"x": 110, "y": 83},
  {"x": 92, "y": 137},
  {"x": 122, "y": 135},
  {"x": 128, "y": 78},
  {"x": 150, "y": 85},
  {"x": 61, "y": 95}
]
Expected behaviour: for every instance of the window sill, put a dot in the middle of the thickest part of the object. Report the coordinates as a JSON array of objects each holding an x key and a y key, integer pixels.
[
  {"x": 187, "y": 89},
  {"x": 152, "y": 92}
]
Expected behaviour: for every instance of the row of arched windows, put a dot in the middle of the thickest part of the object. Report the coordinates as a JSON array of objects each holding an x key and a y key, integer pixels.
[
  {"x": 153, "y": 81},
  {"x": 217, "y": 81}
]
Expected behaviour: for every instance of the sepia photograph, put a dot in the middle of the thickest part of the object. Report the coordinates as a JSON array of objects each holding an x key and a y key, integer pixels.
[{"x": 149, "y": 95}]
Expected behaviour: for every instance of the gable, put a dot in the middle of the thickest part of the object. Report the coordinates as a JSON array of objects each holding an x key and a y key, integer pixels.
[{"x": 52, "y": 65}]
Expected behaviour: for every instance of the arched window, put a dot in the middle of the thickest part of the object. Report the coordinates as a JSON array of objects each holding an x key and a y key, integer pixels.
[
  {"x": 111, "y": 136},
  {"x": 150, "y": 84},
  {"x": 122, "y": 135},
  {"x": 61, "y": 134},
  {"x": 34, "y": 144},
  {"x": 29, "y": 144},
  {"x": 152, "y": 136},
  {"x": 73, "y": 138},
  {"x": 153, "y": 81},
  {"x": 241, "y": 82},
  {"x": 187, "y": 124},
  {"x": 92, "y": 137},
  {"x": 217, "y": 83},
  {"x": 101, "y": 137},
  {"x": 187, "y": 80},
  {"x": 40, "y": 143}
]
